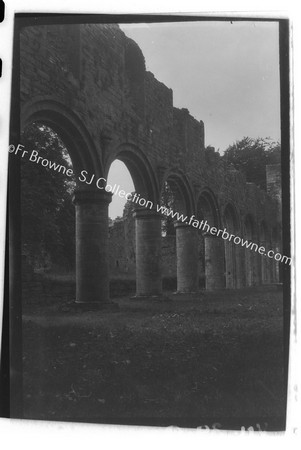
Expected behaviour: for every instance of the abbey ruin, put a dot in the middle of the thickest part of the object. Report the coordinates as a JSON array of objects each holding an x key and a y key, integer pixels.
[{"x": 89, "y": 84}]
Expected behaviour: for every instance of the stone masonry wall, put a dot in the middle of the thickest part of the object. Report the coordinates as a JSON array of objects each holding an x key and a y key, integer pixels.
[{"x": 98, "y": 74}]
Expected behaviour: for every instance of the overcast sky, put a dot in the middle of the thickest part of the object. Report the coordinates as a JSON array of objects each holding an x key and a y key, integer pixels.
[{"x": 226, "y": 74}]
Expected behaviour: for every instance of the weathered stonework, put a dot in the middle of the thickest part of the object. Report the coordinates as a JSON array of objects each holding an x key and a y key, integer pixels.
[{"x": 89, "y": 83}]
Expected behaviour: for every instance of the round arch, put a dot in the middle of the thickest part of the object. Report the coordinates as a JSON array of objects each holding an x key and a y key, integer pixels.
[
  {"x": 211, "y": 248},
  {"x": 230, "y": 218},
  {"x": 185, "y": 235},
  {"x": 147, "y": 221},
  {"x": 140, "y": 169},
  {"x": 185, "y": 201},
  {"x": 207, "y": 206},
  {"x": 71, "y": 130}
]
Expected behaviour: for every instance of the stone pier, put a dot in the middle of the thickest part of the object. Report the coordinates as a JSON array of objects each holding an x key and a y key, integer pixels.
[
  {"x": 187, "y": 258},
  {"x": 148, "y": 253},
  {"x": 92, "y": 274},
  {"x": 214, "y": 262}
]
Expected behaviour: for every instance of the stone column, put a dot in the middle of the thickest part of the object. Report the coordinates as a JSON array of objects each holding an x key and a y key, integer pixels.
[
  {"x": 240, "y": 266},
  {"x": 276, "y": 267},
  {"x": 258, "y": 260},
  {"x": 230, "y": 260},
  {"x": 92, "y": 273},
  {"x": 187, "y": 258},
  {"x": 214, "y": 262},
  {"x": 263, "y": 265},
  {"x": 251, "y": 267},
  {"x": 249, "y": 277},
  {"x": 148, "y": 253},
  {"x": 270, "y": 268}
]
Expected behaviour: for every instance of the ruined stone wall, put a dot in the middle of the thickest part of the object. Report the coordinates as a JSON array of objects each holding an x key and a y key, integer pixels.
[
  {"x": 123, "y": 254},
  {"x": 122, "y": 248},
  {"x": 98, "y": 74}
]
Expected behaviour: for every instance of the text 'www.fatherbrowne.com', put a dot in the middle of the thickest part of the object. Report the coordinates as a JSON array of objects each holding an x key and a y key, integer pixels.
[{"x": 101, "y": 183}]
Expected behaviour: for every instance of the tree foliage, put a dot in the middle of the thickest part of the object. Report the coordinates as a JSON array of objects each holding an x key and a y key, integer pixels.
[
  {"x": 48, "y": 216},
  {"x": 129, "y": 208},
  {"x": 251, "y": 157}
]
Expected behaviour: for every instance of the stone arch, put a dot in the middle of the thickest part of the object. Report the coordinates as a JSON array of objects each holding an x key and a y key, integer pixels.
[
  {"x": 186, "y": 235},
  {"x": 71, "y": 130},
  {"x": 185, "y": 203},
  {"x": 147, "y": 221},
  {"x": 140, "y": 168},
  {"x": 207, "y": 206},
  {"x": 210, "y": 247},
  {"x": 91, "y": 204},
  {"x": 230, "y": 218},
  {"x": 232, "y": 253},
  {"x": 250, "y": 257}
]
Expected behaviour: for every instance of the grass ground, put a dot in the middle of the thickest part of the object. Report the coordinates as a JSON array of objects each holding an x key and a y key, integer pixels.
[{"x": 212, "y": 359}]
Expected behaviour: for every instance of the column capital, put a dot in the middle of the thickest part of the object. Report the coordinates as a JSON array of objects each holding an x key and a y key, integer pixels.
[
  {"x": 180, "y": 224},
  {"x": 207, "y": 234},
  {"x": 92, "y": 196},
  {"x": 144, "y": 213},
  {"x": 148, "y": 253}
]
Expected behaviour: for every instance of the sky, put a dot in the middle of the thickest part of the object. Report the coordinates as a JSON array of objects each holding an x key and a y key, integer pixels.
[{"x": 226, "y": 74}]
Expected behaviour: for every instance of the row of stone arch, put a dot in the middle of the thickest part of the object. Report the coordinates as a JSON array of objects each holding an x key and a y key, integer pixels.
[{"x": 226, "y": 265}]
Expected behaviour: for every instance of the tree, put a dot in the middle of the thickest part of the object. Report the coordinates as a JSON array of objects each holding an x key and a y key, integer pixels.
[
  {"x": 250, "y": 156},
  {"x": 129, "y": 208},
  {"x": 48, "y": 217}
]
